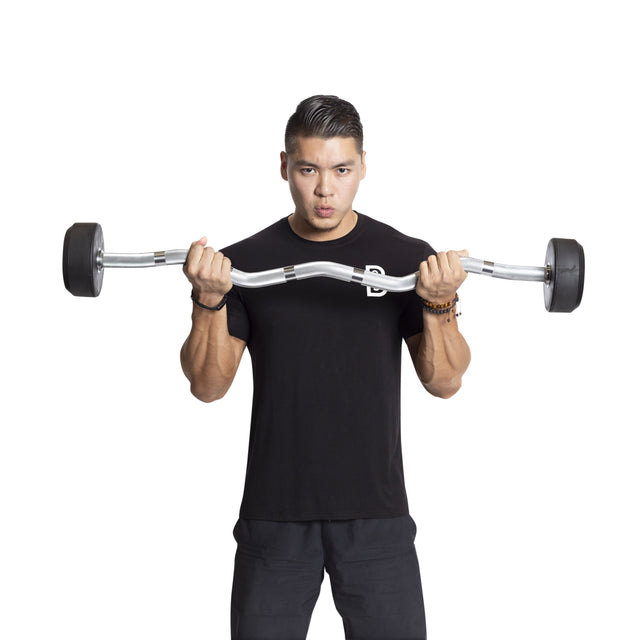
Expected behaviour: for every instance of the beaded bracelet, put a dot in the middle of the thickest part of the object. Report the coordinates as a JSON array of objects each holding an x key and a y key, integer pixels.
[{"x": 441, "y": 309}]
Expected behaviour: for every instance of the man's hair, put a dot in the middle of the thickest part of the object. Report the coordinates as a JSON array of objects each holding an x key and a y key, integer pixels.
[{"x": 324, "y": 117}]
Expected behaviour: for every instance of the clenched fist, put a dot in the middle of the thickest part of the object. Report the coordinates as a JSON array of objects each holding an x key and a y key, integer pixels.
[
  {"x": 440, "y": 276},
  {"x": 209, "y": 273}
]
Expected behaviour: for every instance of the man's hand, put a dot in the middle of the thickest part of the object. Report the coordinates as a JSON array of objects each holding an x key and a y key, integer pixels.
[
  {"x": 209, "y": 273},
  {"x": 440, "y": 277}
]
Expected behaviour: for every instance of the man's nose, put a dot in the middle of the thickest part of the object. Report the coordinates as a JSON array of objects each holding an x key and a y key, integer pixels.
[{"x": 323, "y": 186}]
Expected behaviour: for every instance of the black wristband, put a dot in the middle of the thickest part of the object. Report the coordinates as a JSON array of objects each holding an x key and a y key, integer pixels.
[{"x": 204, "y": 306}]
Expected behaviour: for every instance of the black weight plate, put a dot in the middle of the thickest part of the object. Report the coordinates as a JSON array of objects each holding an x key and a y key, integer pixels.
[
  {"x": 83, "y": 242},
  {"x": 563, "y": 292}
]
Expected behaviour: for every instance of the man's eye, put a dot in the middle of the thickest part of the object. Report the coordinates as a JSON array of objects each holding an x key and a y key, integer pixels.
[
  {"x": 307, "y": 170},
  {"x": 343, "y": 171}
]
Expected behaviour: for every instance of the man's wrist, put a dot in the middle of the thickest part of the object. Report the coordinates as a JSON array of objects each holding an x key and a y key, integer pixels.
[
  {"x": 445, "y": 310},
  {"x": 209, "y": 300},
  {"x": 440, "y": 305}
]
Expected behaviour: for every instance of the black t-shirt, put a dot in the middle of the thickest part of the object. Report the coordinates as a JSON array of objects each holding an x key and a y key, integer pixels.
[{"x": 325, "y": 427}]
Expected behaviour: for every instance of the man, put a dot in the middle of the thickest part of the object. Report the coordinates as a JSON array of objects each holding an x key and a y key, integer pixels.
[{"x": 324, "y": 487}]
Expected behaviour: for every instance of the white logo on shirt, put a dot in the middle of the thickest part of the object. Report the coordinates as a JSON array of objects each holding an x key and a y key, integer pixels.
[{"x": 371, "y": 292}]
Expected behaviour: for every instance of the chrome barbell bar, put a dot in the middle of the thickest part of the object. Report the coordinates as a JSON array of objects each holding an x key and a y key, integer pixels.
[{"x": 333, "y": 270}]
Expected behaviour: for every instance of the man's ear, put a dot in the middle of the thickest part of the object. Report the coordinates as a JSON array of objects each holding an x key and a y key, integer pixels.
[
  {"x": 283, "y": 165},
  {"x": 364, "y": 165}
]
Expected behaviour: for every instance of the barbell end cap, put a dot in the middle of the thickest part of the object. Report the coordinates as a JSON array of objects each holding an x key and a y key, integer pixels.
[
  {"x": 81, "y": 271},
  {"x": 566, "y": 263}
]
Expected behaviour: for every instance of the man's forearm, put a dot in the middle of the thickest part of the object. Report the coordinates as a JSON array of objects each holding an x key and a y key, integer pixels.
[
  {"x": 443, "y": 355},
  {"x": 210, "y": 356}
]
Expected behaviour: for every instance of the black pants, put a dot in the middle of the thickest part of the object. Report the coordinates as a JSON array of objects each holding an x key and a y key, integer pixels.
[{"x": 372, "y": 564}]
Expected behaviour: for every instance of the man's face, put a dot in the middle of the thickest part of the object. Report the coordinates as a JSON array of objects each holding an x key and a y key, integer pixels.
[{"x": 324, "y": 176}]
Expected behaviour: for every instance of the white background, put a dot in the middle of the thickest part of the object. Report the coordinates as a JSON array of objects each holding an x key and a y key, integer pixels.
[{"x": 491, "y": 126}]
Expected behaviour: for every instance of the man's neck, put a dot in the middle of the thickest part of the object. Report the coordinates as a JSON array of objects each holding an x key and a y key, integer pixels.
[{"x": 302, "y": 228}]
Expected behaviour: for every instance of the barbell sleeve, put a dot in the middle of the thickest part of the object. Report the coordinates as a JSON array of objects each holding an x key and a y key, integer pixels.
[
  {"x": 134, "y": 260},
  {"x": 505, "y": 271}
]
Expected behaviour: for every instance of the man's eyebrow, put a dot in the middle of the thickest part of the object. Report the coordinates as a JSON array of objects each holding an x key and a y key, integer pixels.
[{"x": 304, "y": 163}]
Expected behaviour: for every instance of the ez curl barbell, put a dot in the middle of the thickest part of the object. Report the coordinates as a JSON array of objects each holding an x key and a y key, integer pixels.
[{"x": 84, "y": 261}]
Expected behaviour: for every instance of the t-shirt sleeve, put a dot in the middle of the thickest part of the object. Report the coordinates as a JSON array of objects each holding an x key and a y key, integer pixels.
[
  {"x": 237, "y": 316},
  {"x": 411, "y": 318}
]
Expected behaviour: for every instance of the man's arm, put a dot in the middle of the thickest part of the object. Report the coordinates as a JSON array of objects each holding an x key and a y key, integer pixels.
[
  {"x": 440, "y": 353},
  {"x": 210, "y": 356}
]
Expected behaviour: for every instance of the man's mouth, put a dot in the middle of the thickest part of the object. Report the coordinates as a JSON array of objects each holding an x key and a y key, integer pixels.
[{"x": 324, "y": 212}]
